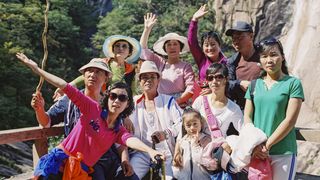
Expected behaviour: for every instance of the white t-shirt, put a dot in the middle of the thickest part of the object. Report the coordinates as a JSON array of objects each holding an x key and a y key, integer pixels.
[
  {"x": 151, "y": 124},
  {"x": 231, "y": 113}
]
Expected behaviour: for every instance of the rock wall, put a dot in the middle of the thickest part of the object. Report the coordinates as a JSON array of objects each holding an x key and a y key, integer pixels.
[
  {"x": 297, "y": 24},
  {"x": 267, "y": 17}
]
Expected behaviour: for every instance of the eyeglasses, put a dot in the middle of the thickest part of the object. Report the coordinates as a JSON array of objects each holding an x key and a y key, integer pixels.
[
  {"x": 146, "y": 78},
  {"x": 217, "y": 77},
  {"x": 121, "y": 97},
  {"x": 123, "y": 46}
]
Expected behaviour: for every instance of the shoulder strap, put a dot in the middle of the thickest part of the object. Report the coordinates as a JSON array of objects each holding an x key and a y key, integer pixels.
[
  {"x": 212, "y": 120},
  {"x": 253, "y": 86}
]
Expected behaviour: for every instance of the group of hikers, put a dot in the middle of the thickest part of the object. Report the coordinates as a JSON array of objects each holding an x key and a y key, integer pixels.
[{"x": 234, "y": 121}]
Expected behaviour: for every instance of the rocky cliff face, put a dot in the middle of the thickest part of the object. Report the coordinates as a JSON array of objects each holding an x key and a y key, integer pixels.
[
  {"x": 297, "y": 24},
  {"x": 267, "y": 17},
  {"x": 15, "y": 159}
]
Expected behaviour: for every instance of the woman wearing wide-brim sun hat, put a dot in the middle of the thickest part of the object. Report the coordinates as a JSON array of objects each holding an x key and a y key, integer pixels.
[
  {"x": 121, "y": 52},
  {"x": 177, "y": 76}
]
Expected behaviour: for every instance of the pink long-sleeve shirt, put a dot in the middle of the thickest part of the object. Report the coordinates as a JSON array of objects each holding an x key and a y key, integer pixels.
[
  {"x": 200, "y": 58},
  {"x": 175, "y": 78},
  {"x": 91, "y": 135}
]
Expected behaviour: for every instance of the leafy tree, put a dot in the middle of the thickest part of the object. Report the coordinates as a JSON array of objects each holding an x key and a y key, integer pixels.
[
  {"x": 76, "y": 34},
  {"x": 173, "y": 16},
  {"x": 21, "y": 27}
]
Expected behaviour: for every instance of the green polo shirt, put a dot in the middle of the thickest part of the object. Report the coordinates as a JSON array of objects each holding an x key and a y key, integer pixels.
[{"x": 270, "y": 110}]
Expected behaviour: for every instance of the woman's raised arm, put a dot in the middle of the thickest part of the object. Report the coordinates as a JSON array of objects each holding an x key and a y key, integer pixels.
[{"x": 50, "y": 78}]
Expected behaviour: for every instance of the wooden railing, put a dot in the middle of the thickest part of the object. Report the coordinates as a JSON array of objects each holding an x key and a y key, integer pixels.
[
  {"x": 40, "y": 137},
  {"x": 38, "y": 134}
]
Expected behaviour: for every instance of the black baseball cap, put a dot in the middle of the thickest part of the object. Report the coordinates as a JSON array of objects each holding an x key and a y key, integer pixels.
[{"x": 239, "y": 26}]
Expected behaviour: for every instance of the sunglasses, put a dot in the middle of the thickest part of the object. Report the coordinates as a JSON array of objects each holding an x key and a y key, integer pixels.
[
  {"x": 120, "y": 97},
  {"x": 146, "y": 78},
  {"x": 217, "y": 77},
  {"x": 123, "y": 46},
  {"x": 271, "y": 41}
]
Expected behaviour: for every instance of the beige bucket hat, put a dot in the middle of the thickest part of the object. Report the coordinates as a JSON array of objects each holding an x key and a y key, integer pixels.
[
  {"x": 97, "y": 63},
  {"x": 149, "y": 67}
]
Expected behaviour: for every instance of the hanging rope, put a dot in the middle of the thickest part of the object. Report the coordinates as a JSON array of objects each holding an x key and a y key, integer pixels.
[{"x": 44, "y": 42}]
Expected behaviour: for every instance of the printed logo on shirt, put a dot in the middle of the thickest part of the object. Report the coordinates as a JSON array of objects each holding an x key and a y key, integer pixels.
[
  {"x": 179, "y": 71},
  {"x": 95, "y": 126}
]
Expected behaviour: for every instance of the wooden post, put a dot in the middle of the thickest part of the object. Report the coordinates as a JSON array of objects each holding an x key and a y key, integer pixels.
[{"x": 39, "y": 148}]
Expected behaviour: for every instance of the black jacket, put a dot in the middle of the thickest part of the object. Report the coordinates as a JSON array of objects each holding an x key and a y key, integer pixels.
[{"x": 235, "y": 92}]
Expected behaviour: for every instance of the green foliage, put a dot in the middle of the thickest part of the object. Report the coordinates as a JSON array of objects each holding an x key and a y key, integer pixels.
[
  {"x": 20, "y": 31},
  {"x": 75, "y": 35},
  {"x": 127, "y": 19}
]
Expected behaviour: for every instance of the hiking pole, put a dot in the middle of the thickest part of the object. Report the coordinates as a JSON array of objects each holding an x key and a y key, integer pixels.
[
  {"x": 163, "y": 169},
  {"x": 152, "y": 165},
  {"x": 159, "y": 163}
]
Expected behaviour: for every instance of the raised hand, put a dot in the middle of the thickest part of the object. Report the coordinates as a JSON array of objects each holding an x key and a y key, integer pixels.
[
  {"x": 200, "y": 13},
  {"x": 28, "y": 62},
  {"x": 37, "y": 101},
  {"x": 50, "y": 78},
  {"x": 150, "y": 20}
]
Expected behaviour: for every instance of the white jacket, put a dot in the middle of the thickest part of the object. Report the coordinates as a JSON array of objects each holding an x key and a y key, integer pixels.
[{"x": 170, "y": 116}]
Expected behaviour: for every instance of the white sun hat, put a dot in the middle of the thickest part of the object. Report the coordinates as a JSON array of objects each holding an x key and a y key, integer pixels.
[
  {"x": 158, "y": 45},
  {"x": 136, "y": 51}
]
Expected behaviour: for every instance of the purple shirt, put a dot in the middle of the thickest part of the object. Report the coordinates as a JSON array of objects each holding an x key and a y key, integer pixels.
[
  {"x": 175, "y": 78},
  {"x": 91, "y": 135},
  {"x": 200, "y": 58}
]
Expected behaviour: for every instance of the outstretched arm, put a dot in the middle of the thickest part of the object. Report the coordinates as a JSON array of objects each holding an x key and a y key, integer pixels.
[
  {"x": 50, "y": 78},
  {"x": 135, "y": 143},
  {"x": 149, "y": 21}
]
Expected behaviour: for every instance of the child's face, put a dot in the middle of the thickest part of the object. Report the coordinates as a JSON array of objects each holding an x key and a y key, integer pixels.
[{"x": 192, "y": 124}]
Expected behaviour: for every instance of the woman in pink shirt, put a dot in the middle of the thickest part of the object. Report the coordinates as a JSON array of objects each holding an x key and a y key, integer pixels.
[
  {"x": 177, "y": 76},
  {"x": 206, "y": 53},
  {"x": 97, "y": 129}
]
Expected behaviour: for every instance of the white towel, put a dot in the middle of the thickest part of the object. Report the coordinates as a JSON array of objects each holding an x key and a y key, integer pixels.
[{"x": 243, "y": 145}]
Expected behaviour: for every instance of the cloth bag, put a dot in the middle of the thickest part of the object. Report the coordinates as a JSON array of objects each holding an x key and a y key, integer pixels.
[
  {"x": 214, "y": 158},
  {"x": 260, "y": 169}
]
